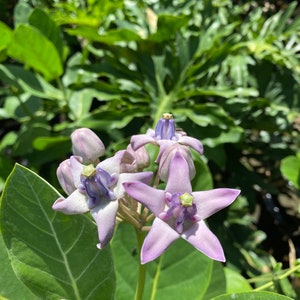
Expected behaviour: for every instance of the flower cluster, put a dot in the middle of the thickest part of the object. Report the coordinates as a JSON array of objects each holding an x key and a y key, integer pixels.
[{"x": 118, "y": 189}]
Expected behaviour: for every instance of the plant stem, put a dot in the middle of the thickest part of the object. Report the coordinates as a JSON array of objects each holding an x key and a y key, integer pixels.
[
  {"x": 142, "y": 268},
  {"x": 286, "y": 274}
]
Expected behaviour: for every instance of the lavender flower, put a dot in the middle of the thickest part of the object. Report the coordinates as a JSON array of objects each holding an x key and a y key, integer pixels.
[
  {"x": 165, "y": 135},
  {"x": 98, "y": 190},
  {"x": 180, "y": 212}
]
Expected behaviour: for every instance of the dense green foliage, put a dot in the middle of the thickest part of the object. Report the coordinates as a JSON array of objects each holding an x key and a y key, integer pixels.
[{"x": 229, "y": 73}]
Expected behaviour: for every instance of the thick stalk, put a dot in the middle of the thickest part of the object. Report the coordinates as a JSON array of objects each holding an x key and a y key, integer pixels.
[{"x": 142, "y": 268}]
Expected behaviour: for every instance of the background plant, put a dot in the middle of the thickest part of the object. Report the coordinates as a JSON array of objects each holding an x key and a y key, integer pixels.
[{"x": 227, "y": 70}]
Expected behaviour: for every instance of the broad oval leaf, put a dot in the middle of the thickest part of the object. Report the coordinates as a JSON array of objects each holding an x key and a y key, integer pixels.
[
  {"x": 32, "y": 48},
  {"x": 55, "y": 255}
]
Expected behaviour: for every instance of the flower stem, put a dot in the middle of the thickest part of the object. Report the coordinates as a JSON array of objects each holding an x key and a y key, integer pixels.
[{"x": 142, "y": 268}]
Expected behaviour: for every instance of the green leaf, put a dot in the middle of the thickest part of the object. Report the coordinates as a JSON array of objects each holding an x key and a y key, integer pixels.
[
  {"x": 167, "y": 26},
  {"x": 47, "y": 26},
  {"x": 290, "y": 168},
  {"x": 252, "y": 296},
  {"x": 55, "y": 255},
  {"x": 22, "y": 11},
  {"x": 235, "y": 282},
  {"x": 203, "y": 179},
  {"x": 180, "y": 268},
  {"x": 110, "y": 37},
  {"x": 80, "y": 103},
  {"x": 218, "y": 282},
  {"x": 10, "y": 286},
  {"x": 32, "y": 48},
  {"x": 26, "y": 81},
  {"x": 6, "y": 35}
]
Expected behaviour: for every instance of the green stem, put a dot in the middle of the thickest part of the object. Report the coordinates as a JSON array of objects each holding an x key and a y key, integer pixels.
[
  {"x": 156, "y": 277},
  {"x": 286, "y": 274},
  {"x": 142, "y": 268}
]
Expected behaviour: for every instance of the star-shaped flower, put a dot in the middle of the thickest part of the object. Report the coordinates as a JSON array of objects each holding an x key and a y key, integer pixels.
[
  {"x": 180, "y": 212},
  {"x": 98, "y": 190}
]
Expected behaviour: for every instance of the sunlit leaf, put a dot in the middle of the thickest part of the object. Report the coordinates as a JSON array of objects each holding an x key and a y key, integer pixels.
[
  {"x": 290, "y": 168},
  {"x": 33, "y": 49},
  {"x": 53, "y": 254}
]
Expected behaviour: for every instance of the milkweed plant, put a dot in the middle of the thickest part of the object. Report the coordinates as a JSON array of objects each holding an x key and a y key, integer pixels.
[{"x": 160, "y": 204}]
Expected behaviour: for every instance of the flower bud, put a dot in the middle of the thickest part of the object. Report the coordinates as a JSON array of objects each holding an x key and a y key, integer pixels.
[
  {"x": 134, "y": 161},
  {"x": 167, "y": 157},
  {"x": 86, "y": 144},
  {"x": 65, "y": 177}
]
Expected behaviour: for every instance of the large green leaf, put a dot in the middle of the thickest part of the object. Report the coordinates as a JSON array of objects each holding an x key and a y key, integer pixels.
[
  {"x": 53, "y": 254},
  {"x": 181, "y": 269},
  {"x": 32, "y": 48}
]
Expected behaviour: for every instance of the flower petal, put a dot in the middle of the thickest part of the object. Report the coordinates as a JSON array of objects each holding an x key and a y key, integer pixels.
[
  {"x": 192, "y": 142},
  {"x": 152, "y": 198},
  {"x": 139, "y": 140},
  {"x": 76, "y": 203},
  {"x": 211, "y": 201},
  {"x": 200, "y": 236},
  {"x": 105, "y": 216},
  {"x": 179, "y": 178},
  {"x": 76, "y": 169},
  {"x": 160, "y": 237},
  {"x": 144, "y": 177},
  {"x": 112, "y": 164}
]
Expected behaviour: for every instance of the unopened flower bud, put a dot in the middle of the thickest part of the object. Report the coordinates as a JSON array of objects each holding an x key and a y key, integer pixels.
[
  {"x": 65, "y": 177},
  {"x": 86, "y": 144},
  {"x": 169, "y": 153},
  {"x": 134, "y": 161}
]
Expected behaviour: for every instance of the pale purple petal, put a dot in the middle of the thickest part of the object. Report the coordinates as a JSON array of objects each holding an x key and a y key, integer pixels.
[
  {"x": 112, "y": 164},
  {"x": 160, "y": 237},
  {"x": 76, "y": 203},
  {"x": 164, "y": 164},
  {"x": 200, "y": 236},
  {"x": 105, "y": 216},
  {"x": 76, "y": 169},
  {"x": 163, "y": 145},
  {"x": 179, "y": 179},
  {"x": 192, "y": 142},
  {"x": 144, "y": 177},
  {"x": 152, "y": 198},
  {"x": 211, "y": 201},
  {"x": 139, "y": 140},
  {"x": 65, "y": 177}
]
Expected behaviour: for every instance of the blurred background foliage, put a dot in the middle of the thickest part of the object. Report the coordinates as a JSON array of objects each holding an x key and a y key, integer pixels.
[{"x": 228, "y": 70}]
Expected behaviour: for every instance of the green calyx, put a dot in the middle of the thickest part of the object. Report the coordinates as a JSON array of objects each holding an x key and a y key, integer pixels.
[
  {"x": 186, "y": 199},
  {"x": 88, "y": 171}
]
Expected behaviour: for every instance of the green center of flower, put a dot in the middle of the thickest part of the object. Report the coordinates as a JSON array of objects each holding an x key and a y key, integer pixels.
[
  {"x": 88, "y": 171},
  {"x": 186, "y": 199}
]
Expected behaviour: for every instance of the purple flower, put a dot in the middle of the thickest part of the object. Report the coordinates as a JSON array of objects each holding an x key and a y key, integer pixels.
[
  {"x": 98, "y": 190},
  {"x": 180, "y": 212},
  {"x": 165, "y": 135}
]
